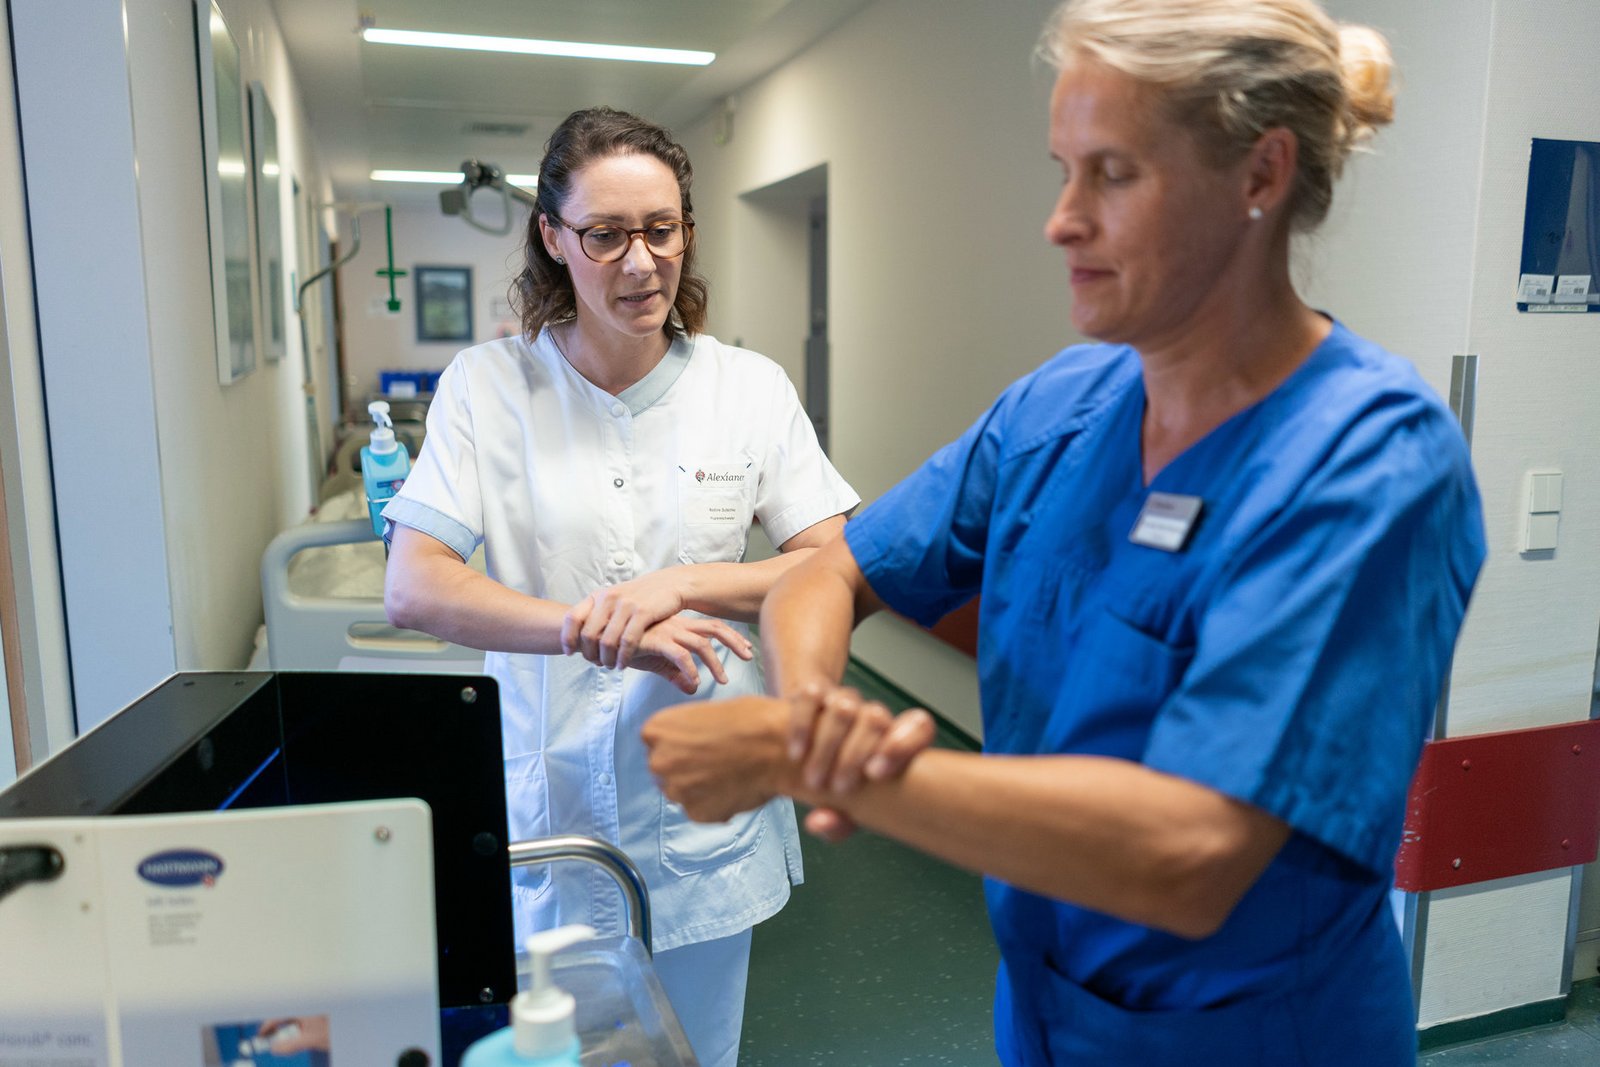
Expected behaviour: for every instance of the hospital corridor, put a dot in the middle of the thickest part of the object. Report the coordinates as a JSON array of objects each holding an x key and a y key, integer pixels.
[{"x": 699, "y": 533}]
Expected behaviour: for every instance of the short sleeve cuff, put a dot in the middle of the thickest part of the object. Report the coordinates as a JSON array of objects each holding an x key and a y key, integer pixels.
[
  {"x": 873, "y": 542},
  {"x": 807, "y": 513},
  {"x": 1354, "y": 834},
  {"x": 436, "y": 524}
]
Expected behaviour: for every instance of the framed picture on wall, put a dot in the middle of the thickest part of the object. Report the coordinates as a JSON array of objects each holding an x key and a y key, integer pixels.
[{"x": 444, "y": 303}]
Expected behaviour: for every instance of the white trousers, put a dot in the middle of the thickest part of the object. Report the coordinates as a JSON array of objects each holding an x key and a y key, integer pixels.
[{"x": 705, "y": 983}]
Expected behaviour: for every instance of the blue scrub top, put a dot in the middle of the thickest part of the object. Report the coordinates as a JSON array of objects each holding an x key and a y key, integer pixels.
[{"x": 1289, "y": 656}]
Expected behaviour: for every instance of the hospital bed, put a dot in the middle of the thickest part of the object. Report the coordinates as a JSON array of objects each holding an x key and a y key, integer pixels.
[{"x": 322, "y": 591}]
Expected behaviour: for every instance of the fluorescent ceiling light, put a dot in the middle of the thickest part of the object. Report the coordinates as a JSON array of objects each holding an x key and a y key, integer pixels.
[
  {"x": 235, "y": 168},
  {"x": 446, "y": 177},
  {"x": 529, "y": 47},
  {"x": 439, "y": 177}
]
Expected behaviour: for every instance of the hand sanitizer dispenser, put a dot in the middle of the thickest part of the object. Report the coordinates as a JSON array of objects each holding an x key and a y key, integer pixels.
[
  {"x": 542, "y": 1031},
  {"x": 384, "y": 465}
]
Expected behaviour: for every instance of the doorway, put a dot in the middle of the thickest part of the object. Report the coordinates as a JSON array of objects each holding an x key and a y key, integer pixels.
[{"x": 783, "y": 244}]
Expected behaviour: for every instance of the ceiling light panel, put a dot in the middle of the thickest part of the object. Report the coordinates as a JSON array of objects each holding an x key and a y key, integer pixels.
[
  {"x": 437, "y": 177},
  {"x": 445, "y": 177},
  {"x": 533, "y": 47}
]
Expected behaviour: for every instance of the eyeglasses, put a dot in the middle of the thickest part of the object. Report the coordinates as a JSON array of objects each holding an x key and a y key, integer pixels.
[{"x": 605, "y": 243}]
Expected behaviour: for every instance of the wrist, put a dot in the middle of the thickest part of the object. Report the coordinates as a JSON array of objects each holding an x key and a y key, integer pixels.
[
  {"x": 781, "y": 774},
  {"x": 686, "y": 587},
  {"x": 786, "y": 685}
]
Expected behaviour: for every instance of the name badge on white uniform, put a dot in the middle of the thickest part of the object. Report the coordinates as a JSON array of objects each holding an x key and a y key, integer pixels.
[
  {"x": 1165, "y": 521},
  {"x": 701, "y": 509},
  {"x": 716, "y": 496}
]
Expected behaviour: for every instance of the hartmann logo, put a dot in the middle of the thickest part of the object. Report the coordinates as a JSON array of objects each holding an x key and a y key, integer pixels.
[{"x": 181, "y": 868}]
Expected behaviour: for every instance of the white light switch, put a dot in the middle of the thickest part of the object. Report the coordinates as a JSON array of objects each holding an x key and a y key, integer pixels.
[
  {"x": 1543, "y": 519},
  {"x": 1545, "y": 493},
  {"x": 1540, "y": 535}
]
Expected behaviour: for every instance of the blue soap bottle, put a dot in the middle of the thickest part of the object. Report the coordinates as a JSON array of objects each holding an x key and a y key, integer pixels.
[
  {"x": 542, "y": 1031},
  {"x": 384, "y": 465}
]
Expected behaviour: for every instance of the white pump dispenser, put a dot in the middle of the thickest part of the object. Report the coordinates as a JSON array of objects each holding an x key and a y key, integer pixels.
[
  {"x": 543, "y": 1030},
  {"x": 542, "y": 1018},
  {"x": 383, "y": 433}
]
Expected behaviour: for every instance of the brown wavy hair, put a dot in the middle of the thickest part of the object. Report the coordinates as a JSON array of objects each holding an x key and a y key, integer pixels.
[{"x": 541, "y": 293}]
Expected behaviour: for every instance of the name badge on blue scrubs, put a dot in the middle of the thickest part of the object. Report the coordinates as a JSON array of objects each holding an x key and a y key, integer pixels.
[{"x": 1166, "y": 521}]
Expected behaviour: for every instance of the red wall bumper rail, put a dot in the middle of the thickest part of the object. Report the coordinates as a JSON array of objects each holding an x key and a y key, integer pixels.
[{"x": 1502, "y": 804}]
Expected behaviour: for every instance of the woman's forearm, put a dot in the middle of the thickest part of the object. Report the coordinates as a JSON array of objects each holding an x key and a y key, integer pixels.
[
  {"x": 427, "y": 588},
  {"x": 807, "y": 620},
  {"x": 1107, "y": 834},
  {"x": 735, "y": 590}
]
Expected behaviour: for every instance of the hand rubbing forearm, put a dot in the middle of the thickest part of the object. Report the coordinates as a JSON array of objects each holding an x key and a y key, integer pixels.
[
  {"x": 1105, "y": 833},
  {"x": 735, "y": 590}
]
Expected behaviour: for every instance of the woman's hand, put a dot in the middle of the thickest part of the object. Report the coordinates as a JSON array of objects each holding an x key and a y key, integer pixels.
[
  {"x": 608, "y": 626},
  {"x": 841, "y": 740},
  {"x": 719, "y": 758},
  {"x": 296, "y": 1034},
  {"x": 671, "y": 646}
]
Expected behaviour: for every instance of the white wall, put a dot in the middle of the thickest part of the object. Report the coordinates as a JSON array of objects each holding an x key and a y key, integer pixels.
[
  {"x": 931, "y": 121},
  {"x": 1394, "y": 258},
  {"x": 1527, "y": 657},
  {"x": 376, "y": 340}
]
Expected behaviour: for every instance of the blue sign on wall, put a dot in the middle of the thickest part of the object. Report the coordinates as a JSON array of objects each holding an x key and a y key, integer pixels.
[{"x": 1561, "y": 228}]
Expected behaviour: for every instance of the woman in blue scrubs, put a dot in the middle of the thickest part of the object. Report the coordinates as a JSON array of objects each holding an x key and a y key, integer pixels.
[{"x": 1223, "y": 556}]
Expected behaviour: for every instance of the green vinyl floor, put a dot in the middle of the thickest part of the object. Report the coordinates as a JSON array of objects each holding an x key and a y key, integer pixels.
[
  {"x": 883, "y": 957},
  {"x": 1574, "y": 1042}
]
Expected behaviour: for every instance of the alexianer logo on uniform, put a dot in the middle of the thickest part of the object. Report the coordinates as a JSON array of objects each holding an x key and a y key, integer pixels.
[
  {"x": 181, "y": 868},
  {"x": 725, "y": 476}
]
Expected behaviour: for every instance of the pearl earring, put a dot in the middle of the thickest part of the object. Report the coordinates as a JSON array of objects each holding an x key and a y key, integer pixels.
[
  {"x": 1255, "y": 212},
  {"x": 563, "y": 261}
]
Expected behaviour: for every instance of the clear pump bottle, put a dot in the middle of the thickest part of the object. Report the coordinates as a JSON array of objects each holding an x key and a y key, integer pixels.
[{"x": 543, "y": 1032}]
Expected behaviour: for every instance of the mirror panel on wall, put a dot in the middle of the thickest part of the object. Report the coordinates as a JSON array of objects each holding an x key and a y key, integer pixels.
[
  {"x": 227, "y": 174},
  {"x": 269, "y": 221}
]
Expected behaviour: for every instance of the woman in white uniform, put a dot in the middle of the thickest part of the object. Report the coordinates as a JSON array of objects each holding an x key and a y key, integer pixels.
[{"x": 610, "y": 460}]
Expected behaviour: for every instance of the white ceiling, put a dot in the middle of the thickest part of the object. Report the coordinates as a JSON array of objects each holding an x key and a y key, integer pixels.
[{"x": 375, "y": 106}]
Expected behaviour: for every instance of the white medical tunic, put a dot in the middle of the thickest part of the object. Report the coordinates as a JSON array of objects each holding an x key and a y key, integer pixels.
[{"x": 570, "y": 489}]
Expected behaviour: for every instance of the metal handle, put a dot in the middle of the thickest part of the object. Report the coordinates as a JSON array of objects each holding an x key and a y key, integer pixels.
[{"x": 602, "y": 854}]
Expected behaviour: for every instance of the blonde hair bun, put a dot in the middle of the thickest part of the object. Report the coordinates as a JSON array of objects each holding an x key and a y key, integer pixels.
[{"x": 1367, "y": 69}]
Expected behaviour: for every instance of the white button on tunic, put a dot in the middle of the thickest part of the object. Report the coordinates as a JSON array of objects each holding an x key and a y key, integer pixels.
[{"x": 570, "y": 489}]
